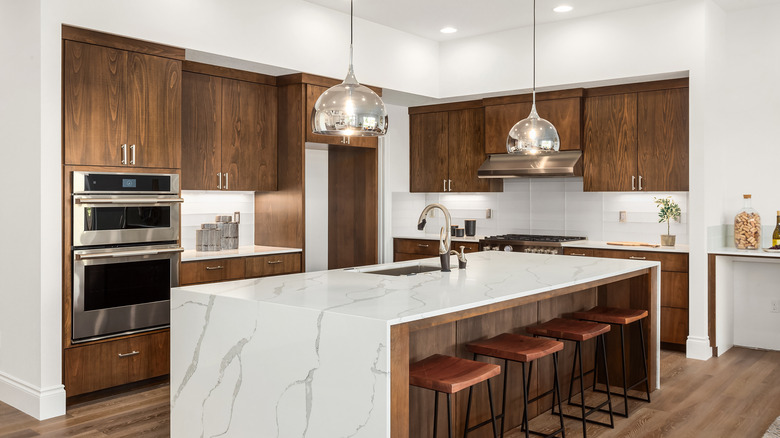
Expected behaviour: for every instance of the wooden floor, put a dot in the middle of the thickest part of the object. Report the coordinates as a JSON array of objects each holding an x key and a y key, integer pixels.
[{"x": 735, "y": 395}]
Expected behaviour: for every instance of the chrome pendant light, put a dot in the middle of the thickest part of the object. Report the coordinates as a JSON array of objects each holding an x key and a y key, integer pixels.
[
  {"x": 533, "y": 135},
  {"x": 349, "y": 109}
]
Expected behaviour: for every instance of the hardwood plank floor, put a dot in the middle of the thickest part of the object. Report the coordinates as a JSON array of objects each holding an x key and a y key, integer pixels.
[{"x": 735, "y": 395}]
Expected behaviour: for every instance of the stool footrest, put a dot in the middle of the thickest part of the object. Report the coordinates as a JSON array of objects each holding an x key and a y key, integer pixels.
[
  {"x": 632, "y": 397},
  {"x": 591, "y": 409}
]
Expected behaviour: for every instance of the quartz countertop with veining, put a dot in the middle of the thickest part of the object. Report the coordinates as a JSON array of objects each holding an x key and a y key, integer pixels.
[{"x": 490, "y": 277}]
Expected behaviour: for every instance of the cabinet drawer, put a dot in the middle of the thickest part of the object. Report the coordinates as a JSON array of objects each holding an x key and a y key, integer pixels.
[
  {"x": 674, "y": 289},
  {"x": 669, "y": 261},
  {"x": 581, "y": 252},
  {"x": 402, "y": 256},
  {"x": 277, "y": 264},
  {"x": 104, "y": 365},
  {"x": 208, "y": 271},
  {"x": 469, "y": 246},
  {"x": 417, "y": 246},
  {"x": 674, "y": 325}
]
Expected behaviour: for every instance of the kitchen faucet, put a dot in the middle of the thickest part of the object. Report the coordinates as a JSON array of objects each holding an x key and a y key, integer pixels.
[{"x": 444, "y": 238}]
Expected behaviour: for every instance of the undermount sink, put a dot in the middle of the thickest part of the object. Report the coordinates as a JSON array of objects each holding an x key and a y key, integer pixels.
[{"x": 403, "y": 270}]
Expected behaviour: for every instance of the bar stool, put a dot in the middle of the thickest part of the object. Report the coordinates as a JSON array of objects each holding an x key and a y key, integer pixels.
[
  {"x": 522, "y": 349},
  {"x": 580, "y": 331},
  {"x": 449, "y": 375},
  {"x": 622, "y": 318}
]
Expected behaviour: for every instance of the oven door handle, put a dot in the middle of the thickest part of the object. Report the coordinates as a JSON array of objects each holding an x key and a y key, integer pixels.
[
  {"x": 106, "y": 255},
  {"x": 145, "y": 201}
]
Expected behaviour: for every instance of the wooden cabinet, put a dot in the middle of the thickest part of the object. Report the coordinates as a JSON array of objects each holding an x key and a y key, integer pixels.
[
  {"x": 563, "y": 109},
  {"x": 446, "y": 150},
  {"x": 637, "y": 140},
  {"x": 111, "y": 363},
  {"x": 229, "y": 134},
  {"x": 413, "y": 249},
  {"x": 674, "y": 288},
  {"x": 121, "y": 108},
  {"x": 238, "y": 268},
  {"x": 313, "y": 92}
]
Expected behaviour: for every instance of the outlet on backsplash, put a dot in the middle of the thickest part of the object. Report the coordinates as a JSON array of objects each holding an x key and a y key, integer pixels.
[
  {"x": 622, "y": 216},
  {"x": 775, "y": 306}
]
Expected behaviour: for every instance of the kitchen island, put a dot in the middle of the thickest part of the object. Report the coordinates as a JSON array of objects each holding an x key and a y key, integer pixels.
[{"x": 326, "y": 354}]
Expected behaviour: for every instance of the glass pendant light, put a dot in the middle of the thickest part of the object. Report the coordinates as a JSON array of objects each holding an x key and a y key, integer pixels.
[
  {"x": 349, "y": 109},
  {"x": 533, "y": 135}
]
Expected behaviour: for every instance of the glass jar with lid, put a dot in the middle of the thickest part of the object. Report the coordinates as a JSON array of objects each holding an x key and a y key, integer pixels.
[{"x": 747, "y": 227}]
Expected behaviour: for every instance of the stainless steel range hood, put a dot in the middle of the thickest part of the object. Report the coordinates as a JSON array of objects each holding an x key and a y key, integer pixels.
[{"x": 563, "y": 163}]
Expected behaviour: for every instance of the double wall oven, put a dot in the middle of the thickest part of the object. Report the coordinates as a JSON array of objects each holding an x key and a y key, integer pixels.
[{"x": 125, "y": 252}]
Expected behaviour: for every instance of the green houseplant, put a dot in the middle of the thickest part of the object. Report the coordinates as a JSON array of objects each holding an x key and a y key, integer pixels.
[{"x": 668, "y": 211}]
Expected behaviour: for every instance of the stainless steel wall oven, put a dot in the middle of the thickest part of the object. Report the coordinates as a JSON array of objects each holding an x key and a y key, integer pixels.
[{"x": 125, "y": 252}]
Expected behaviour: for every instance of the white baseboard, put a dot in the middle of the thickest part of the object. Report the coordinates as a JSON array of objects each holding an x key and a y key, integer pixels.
[
  {"x": 698, "y": 348},
  {"x": 39, "y": 403}
]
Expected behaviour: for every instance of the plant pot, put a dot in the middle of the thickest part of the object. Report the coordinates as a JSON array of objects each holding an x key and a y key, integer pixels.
[{"x": 668, "y": 239}]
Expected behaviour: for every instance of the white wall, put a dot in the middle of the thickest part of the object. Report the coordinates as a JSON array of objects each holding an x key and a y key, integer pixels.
[{"x": 395, "y": 172}]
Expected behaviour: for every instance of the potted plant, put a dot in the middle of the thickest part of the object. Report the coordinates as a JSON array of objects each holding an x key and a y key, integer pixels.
[{"x": 669, "y": 210}]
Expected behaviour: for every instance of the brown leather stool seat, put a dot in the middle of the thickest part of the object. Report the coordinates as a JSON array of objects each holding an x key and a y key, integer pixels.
[
  {"x": 622, "y": 317},
  {"x": 449, "y": 375},
  {"x": 578, "y": 332},
  {"x": 522, "y": 349}
]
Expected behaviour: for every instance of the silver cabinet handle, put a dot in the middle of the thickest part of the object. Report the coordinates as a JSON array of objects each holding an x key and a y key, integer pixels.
[
  {"x": 132, "y": 353},
  {"x": 226, "y": 181},
  {"x": 348, "y": 139},
  {"x": 449, "y": 185},
  {"x": 577, "y": 254},
  {"x": 421, "y": 245},
  {"x": 638, "y": 258},
  {"x": 640, "y": 182},
  {"x": 124, "y": 154},
  {"x": 444, "y": 183},
  {"x": 633, "y": 182},
  {"x": 214, "y": 268},
  {"x": 132, "y": 155},
  {"x": 219, "y": 180},
  {"x": 274, "y": 262}
]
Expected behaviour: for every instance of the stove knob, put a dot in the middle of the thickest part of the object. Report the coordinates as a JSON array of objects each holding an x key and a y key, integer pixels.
[
  {"x": 496, "y": 248},
  {"x": 508, "y": 248},
  {"x": 554, "y": 251},
  {"x": 528, "y": 250}
]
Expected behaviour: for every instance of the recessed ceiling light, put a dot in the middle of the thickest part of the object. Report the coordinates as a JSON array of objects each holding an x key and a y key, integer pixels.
[
  {"x": 563, "y": 8},
  {"x": 448, "y": 29}
]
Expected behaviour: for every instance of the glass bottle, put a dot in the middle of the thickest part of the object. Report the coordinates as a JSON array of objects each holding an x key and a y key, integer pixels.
[
  {"x": 776, "y": 234},
  {"x": 747, "y": 227}
]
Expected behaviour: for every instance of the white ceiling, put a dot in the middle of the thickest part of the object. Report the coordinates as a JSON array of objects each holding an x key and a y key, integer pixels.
[{"x": 475, "y": 17}]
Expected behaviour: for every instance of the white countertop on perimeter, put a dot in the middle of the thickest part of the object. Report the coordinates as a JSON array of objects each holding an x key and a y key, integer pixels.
[
  {"x": 242, "y": 251},
  {"x": 429, "y": 236},
  {"x": 595, "y": 244},
  {"x": 732, "y": 251},
  {"x": 490, "y": 277}
]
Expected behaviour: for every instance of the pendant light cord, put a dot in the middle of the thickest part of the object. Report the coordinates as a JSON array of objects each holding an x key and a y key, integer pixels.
[{"x": 534, "y": 55}]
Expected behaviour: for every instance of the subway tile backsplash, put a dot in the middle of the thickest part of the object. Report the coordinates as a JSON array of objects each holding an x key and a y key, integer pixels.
[
  {"x": 546, "y": 206},
  {"x": 202, "y": 207}
]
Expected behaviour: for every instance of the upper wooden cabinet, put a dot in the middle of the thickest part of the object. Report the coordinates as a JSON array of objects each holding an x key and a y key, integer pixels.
[
  {"x": 561, "y": 108},
  {"x": 446, "y": 149},
  {"x": 229, "y": 134},
  {"x": 637, "y": 140},
  {"x": 121, "y": 108},
  {"x": 313, "y": 92}
]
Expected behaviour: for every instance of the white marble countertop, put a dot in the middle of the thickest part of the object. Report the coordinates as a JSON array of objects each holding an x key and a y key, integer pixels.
[
  {"x": 732, "y": 251},
  {"x": 595, "y": 244},
  {"x": 243, "y": 251},
  {"x": 429, "y": 236},
  {"x": 490, "y": 277}
]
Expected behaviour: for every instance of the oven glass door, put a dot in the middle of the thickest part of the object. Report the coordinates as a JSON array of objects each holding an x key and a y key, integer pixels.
[
  {"x": 122, "y": 290},
  {"x": 111, "y": 220}
]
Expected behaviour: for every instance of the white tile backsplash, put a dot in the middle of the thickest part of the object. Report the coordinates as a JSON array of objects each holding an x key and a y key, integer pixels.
[
  {"x": 203, "y": 206},
  {"x": 546, "y": 206}
]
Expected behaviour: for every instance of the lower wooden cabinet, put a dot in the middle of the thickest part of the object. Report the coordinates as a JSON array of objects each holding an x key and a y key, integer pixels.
[
  {"x": 413, "y": 249},
  {"x": 112, "y": 363},
  {"x": 238, "y": 268},
  {"x": 674, "y": 287}
]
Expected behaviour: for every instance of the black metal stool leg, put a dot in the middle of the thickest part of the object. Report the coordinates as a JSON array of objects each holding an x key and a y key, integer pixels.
[
  {"x": 449, "y": 414},
  {"x": 525, "y": 403},
  {"x": 573, "y": 367},
  {"x": 468, "y": 412},
  {"x": 623, "y": 358},
  {"x": 557, "y": 388},
  {"x": 492, "y": 413},
  {"x": 503, "y": 402},
  {"x": 606, "y": 375},
  {"x": 582, "y": 390},
  {"x": 435, "y": 412},
  {"x": 644, "y": 360}
]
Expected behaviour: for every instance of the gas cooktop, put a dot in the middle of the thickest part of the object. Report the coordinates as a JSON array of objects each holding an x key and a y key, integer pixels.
[{"x": 532, "y": 238}]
